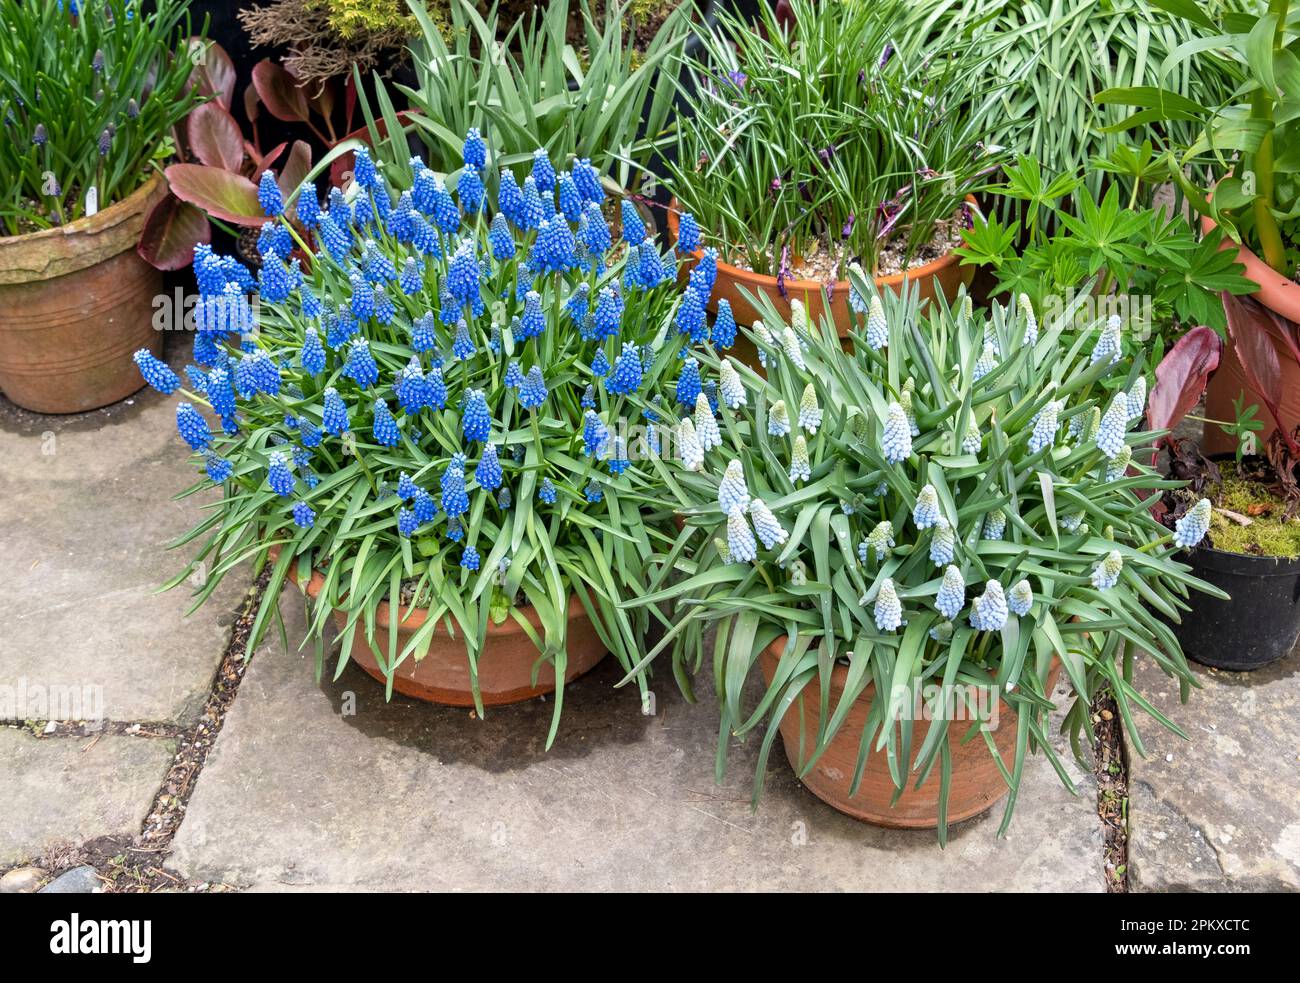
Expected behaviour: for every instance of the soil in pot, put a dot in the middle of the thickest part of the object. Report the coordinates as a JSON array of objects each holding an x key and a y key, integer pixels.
[
  {"x": 1252, "y": 552},
  {"x": 505, "y": 665},
  {"x": 977, "y": 784}
]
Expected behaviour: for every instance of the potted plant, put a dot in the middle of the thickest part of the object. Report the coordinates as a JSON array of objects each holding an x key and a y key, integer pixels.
[
  {"x": 434, "y": 426},
  {"x": 90, "y": 99},
  {"x": 824, "y": 139},
  {"x": 1251, "y": 550},
  {"x": 911, "y": 540},
  {"x": 527, "y": 86},
  {"x": 1248, "y": 143}
]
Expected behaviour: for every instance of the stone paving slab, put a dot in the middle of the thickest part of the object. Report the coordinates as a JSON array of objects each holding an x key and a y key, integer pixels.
[
  {"x": 408, "y": 796},
  {"x": 1220, "y": 811},
  {"x": 62, "y": 790},
  {"x": 85, "y": 510}
]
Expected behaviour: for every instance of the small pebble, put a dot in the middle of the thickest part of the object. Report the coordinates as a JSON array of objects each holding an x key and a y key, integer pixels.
[
  {"x": 51, "y": 727},
  {"x": 1169, "y": 757}
]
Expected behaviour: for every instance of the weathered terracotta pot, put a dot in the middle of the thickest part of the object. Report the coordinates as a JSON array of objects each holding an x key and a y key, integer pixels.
[
  {"x": 505, "y": 666},
  {"x": 943, "y": 276},
  {"x": 1282, "y": 296},
  {"x": 75, "y": 303},
  {"x": 976, "y": 786}
]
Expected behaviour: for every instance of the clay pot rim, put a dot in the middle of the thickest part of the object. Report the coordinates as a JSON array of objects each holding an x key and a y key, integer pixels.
[
  {"x": 749, "y": 277},
  {"x": 73, "y": 245},
  {"x": 411, "y": 618}
]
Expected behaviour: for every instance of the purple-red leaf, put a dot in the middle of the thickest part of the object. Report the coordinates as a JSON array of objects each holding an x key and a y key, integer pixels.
[
  {"x": 214, "y": 72},
  {"x": 170, "y": 234},
  {"x": 223, "y": 195},
  {"x": 280, "y": 93},
  {"x": 1248, "y": 326},
  {"x": 295, "y": 169},
  {"x": 214, "y": 137},
  {"x": 1181, "y": 377}
]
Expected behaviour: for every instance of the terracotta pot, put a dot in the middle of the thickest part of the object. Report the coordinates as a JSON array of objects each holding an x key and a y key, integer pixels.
[
  {"x": 75, "y": 303},
  {"x": 505, "y": 666},
  {"x": 944, "y": 275},
  {"x": 976, "y": 786},
  {"x": 1282, "y": 296}
]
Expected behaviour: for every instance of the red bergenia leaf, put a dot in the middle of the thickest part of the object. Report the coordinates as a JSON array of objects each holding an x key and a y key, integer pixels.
[
  {"x": 170, "y": 234},
  {"x": 223, "y": 195},
  {"x": 214, "y": 72},
  {"x": 1181, "y": 377},
  {"x": 295, "y": 169},
  {"x": 215, "y": 138},
  {"x": 280, "y": 92}
]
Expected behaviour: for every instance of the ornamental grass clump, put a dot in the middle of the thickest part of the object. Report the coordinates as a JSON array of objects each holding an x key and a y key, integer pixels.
[
  {"x": 443, "y": 404},
  {"x": 960, "y": 499},
  {"x": 90, "y": 96}
]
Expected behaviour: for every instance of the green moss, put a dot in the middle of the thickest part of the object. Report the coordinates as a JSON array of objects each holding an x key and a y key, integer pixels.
[{"x": 1269, "y": 534}]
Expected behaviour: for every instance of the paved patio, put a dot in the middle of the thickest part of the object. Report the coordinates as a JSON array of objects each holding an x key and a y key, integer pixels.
[{"x": 300, "y": 792}]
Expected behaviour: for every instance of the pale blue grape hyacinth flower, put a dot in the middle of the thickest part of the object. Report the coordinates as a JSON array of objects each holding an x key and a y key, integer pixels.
[
  {"x": 740, "y": 538},
  {"x": 1021, "y": 598},
  {"x": 942, "y": 542},
  {"x": 810, "y": 413},
  {"x": 888, "y": 610},
  {"x": 769, "y": 529},
  {"x": 877, "y": 326},
  {"x": 988, "y": 612},
  {"x": 1192, "y": 527},
  {"x": 688, "y": 446},
  {"x": 1045, "y": 426},
  {"x": 1110, "y": 435},
  {"x": 1106, "y": 574},
  {"x": 896, "y": 442},
  {"x": 730, "y": 386},
  {"x": 881, "y": 539},
  {"x": 995, "y": 525},
  {"x": 732, "y": 490},
  {"x": 706, "y": 424},
  {"x": 800, "y": 466},
  {"x": 778, "y": 420},
  {"x": 952, "y": 593},
  {"x": 926, "y": 511}
]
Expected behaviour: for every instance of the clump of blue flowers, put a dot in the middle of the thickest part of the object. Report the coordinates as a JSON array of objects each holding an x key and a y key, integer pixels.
[{"x": 455, "y": 380}]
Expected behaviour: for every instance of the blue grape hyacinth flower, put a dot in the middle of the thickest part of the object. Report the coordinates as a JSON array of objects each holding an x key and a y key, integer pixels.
[
  {"x": 279, "y": 476},
  {"x": 335, "y": 413},
  {"x": 724, "y": 326},
  {"x": 688, "y": 383},
  {"x": 304, "y": 517},
  {"x": 476, "y": 421},
  {"x": 688, "y": 234},
  {"x": 546, "y": 491},
  {"x": 385, "y": 427},
  {"x": 156, "y": 372},
  {"x": 634, "y": 231},
  {"x": 192, "y": 427},
  {"x": 268, "y": 195},
  {"x": 488, "y": 473},
  {"x": 532, "y": 393}
]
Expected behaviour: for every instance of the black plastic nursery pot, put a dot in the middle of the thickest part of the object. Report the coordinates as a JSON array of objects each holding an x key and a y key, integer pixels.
[{"x": 1258, "y": 626}]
